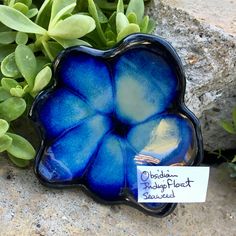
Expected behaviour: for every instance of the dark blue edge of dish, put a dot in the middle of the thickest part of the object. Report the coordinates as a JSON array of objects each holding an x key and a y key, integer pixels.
[{"x": 127, "y": 43}]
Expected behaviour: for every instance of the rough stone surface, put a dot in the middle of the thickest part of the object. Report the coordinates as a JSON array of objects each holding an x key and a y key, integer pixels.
[
  {"x": 27, "y": 208},
  {"x": 209, "y": 57},
  {"x": 216, "y": 12}
]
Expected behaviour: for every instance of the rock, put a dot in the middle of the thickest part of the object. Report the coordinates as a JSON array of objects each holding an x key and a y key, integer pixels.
[
  {"x": 215, "y": 12},
  {"x": 28, "y": 208},
  {"x": 208, "y": 54}
]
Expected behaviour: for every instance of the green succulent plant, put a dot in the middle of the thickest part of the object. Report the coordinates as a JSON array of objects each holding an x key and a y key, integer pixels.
[
  {"x": 230, "y": 127},
  {"x": 32, "y": 33}
]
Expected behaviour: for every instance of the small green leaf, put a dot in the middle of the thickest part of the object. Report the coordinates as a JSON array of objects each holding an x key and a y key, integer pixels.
[
  {"x": 59, "y": 9},
  {"x": 120, "y": 6},
  {"x": 19, "y": 162},
  {"x": 5, "y": 50},
  {"x": 110, "y": 35},
  {"x": 9, "y": 67},
  {"x": 58, "y": 5},
  {"x": 136, "y": 6},
  {"x": 144, "y": 24},
  {"x": 5, "y": 142},
  {"x": 42, "y": 79},
  {"x": 234, "y": 117},
  {"x": 75, "y": 26},
  {"x": 93, "y": 12},
  {"x": 111, "y": 43},
  {"x": 132, "y": 18},
  {"x": 121, "y": 22},
  {"x": 12, "y": 108},
  {"x": 20, "y": 148},
  {"x": 4, "y": 94},
  {"x": 4, "y": 126},
  {"x": 101, "y": 16},
  {"x": 8, "y": 83},
  {"x": 32, "y": 13},
  {"x": 234, "y": 159},
  {"x": 130, "y": 29},
  {"x": 21, "y": 38},
  {"x": 21, "y": 7},
  {"x": 26, "y": 63},
  {"x": 228, "y": 126},
  {"x": 18, "y": 21},
  {"x": 64, "y": 13},
  {"x": 7, "y": 37},
  {"x": 26, "y": 89},
  {"x": 26, "y": 2},
  {"x": 18, "y": 91},
  {"x": 112, "y": 22}
]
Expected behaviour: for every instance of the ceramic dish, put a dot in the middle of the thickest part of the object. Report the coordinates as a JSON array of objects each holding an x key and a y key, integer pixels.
[{"x": 109, "y": 111}]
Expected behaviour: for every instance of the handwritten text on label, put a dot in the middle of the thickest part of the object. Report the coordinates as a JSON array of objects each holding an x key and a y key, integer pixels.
[{"x": 172, "y": 184}]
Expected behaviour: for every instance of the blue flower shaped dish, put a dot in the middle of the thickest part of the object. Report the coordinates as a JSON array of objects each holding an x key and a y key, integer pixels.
[{"x": 109, "y": 111}]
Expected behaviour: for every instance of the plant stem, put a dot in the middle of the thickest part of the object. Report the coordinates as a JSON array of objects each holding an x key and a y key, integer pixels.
[{"x": 47, "y": 50}]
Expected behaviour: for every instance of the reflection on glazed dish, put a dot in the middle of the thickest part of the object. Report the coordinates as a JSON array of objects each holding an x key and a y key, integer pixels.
[{"x": 111, "y": 111}]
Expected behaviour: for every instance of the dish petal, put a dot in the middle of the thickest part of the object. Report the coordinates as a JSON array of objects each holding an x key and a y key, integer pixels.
[
  {"x": 67, "y": 158},
  {"x": 68, "y": 109},
  {"x": 167, "y": 140},
  {"x": 106, "y": 175},
  {"x": 88, "y": 76},
  {"x": 145, "y": 85}
]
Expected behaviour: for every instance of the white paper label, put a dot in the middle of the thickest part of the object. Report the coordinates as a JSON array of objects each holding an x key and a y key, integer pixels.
[{"x": 172, "y": 183}]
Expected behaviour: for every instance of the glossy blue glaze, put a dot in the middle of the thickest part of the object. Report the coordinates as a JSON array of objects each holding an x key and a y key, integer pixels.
[
  {"x": 73, "y": 150},
  {"x": 111, "y": 111},
  {"x": 145, "y": 85},
  {"x": 108, "y": 180},
  {"x": 58, "y": 103},
  {"x": 89, "y": 78}
]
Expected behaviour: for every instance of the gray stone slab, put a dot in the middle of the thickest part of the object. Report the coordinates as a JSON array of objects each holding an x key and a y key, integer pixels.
[
  {"x": 27, "y": 208},
  {"x": 220, "y": 13},
  {"x": 208, "y": 54}
]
